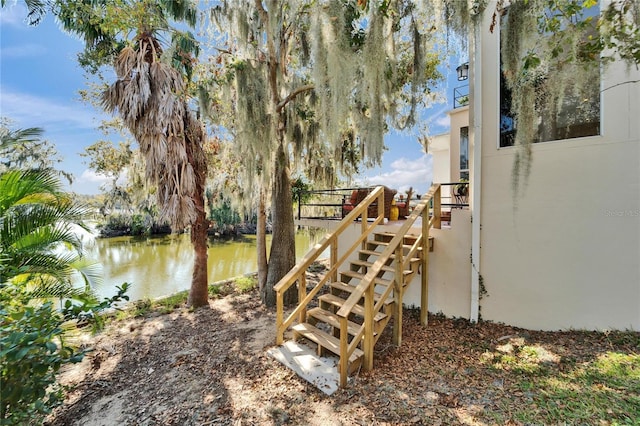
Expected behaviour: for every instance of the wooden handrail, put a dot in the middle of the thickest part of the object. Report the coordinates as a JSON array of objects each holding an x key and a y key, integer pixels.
[
  {"x": 376, "y": 268},
  {"x": 329, "y": 240},
  {"x": 290, "y": 278},
  {"x": 365, "y": 289}
]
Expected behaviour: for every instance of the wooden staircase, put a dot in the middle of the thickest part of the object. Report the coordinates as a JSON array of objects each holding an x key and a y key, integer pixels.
[{"x": 347, "y": 311}]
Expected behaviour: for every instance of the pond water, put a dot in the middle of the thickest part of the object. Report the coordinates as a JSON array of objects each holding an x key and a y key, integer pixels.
[{"x": 159, "y": 266}]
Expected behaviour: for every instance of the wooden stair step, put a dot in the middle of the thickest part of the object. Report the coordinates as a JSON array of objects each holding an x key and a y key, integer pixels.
[
  {"x": 366, "y": 264},
  {"x": 333, "y": 320},
  {"x": 386, "y": 243},
  {"x": 325, "y": 340},
  {"x": 359, "y": 276},
  {"x": 349, "y": 289},
  {"x": 385, "y": 268},
  {"x": 357, "y": 309},
  {"x": 377, "y": 280},
  {"x": 393, "y": 256},
  {"x": 391, "y": 235},
  {"x": 408, "y": 236}
]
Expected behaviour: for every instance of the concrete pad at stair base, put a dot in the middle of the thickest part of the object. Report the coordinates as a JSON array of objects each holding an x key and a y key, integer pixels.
[{"x": 322, "y": 372}]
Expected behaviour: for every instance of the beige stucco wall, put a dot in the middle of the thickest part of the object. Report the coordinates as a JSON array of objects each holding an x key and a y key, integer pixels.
[
  {"x": 566, "y": 254},
  {"x": 439, "y": 150},
  {"x": 449, "y": 269},
  {"x": 459, "y": 118}
]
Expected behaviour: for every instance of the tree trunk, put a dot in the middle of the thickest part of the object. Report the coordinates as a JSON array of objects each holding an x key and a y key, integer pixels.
[
  {"x": 282, "y": 256},
  {"x": 199, "y": 292},
  {"x": 261, "y": 245}
]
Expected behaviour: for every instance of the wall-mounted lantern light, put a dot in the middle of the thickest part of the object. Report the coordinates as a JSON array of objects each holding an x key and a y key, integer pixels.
[{"x": 463, "y": 71}]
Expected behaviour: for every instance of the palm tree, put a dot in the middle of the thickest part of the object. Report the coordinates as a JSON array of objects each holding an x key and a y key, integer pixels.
[
  {"x": 150, "y": 95},
  {"x": 39, "y": 244}
]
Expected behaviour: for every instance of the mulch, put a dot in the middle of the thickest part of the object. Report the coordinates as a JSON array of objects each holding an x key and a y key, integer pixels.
[{"x": 210, "y": 367}]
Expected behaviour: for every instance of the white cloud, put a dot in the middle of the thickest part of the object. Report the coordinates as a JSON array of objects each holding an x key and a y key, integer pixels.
[
  {"x": 28, "y": 110},
  {"x": 91, "y": 176},
  {"x": 442, "y": 121},
  {"x": 439, "y": 122},
  {"x": 404, "y": 173},
  {"x": 26, "y": 50}
]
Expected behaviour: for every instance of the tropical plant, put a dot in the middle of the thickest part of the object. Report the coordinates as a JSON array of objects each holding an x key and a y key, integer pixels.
[
  {"x": 32, "y": 350},
  {"x": 33, "y": 347},
  {"x": 151, "y": 97},
  {"x": 300, "y": 191},
  {"x": 40, "y": 256},
  {"x": 39, "y": 242},
  {"x": 25, "y": 149}
]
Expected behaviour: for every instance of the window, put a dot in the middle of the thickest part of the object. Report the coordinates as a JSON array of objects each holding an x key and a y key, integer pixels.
[
  {"x": 571, "y": 114},
  {"x": 464, "y": 153}
]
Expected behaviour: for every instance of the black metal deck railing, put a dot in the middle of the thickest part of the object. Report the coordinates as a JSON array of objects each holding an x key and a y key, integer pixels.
[
  {"x": 323, "y": 203},
  {"x": 460, "y": 96},
  {"x": 333, "y": 204}
]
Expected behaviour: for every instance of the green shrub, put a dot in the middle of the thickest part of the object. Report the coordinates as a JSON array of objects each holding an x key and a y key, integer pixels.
[
  {"x": 118, "y": 222},
  {"x": 141, "y": 307},
  {"x": 245, "y": 284},
  {"x": 214, "y": 290},
  {"x": 32, "y": 350},
  {"x": 139, "y": 225}
]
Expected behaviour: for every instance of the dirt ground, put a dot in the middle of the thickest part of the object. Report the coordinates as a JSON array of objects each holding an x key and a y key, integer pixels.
[{"x": 209, "y": 367}]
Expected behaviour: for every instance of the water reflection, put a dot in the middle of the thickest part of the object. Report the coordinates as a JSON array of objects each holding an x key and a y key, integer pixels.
[{"x": 158, "y": 266}]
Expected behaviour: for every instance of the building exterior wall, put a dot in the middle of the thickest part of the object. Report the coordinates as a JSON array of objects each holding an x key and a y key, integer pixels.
[
  {"x": 449, "y": 269},
  {"x": 439, "y": 150},
  {"x": 566, "y": 252},
  {"x": 459, "y": 118}
]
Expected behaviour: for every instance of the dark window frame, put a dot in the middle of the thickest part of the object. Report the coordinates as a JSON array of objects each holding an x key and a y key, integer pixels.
[{"x": 507, "y": 126}]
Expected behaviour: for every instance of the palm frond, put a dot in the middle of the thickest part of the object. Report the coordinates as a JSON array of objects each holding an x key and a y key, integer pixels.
[
  {"x": 27, "y": 186},
  {"x": 39, "y": 243},
  {"x": 48, "y": 287},
  {"x": 37, "y": 9},
  {"x": 49, "y": 238},
  {"x": 10, "y": 138},
  {"x": 90, "y": 272},
  {"x": 180, "y": 10},
  {"x": 42, "y": 226},
  {"x": 54, "y": 264}
]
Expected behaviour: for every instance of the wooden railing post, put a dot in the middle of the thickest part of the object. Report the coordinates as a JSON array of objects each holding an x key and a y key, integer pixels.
[
  {"x": 424, "y": 275},
  {"x": 334, "y": 258},
  {"x": 344, "y": 353},
  {"x": 279, "y": 318},
  {"x": 302, "y": 293},
  {"x": 368, "y": 328},
  {"x": 364, "y": 219},
  {"x": 398, "y": 289}
]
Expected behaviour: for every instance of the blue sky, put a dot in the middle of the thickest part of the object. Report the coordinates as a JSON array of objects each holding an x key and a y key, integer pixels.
[{"x": 40, "y": 79}]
